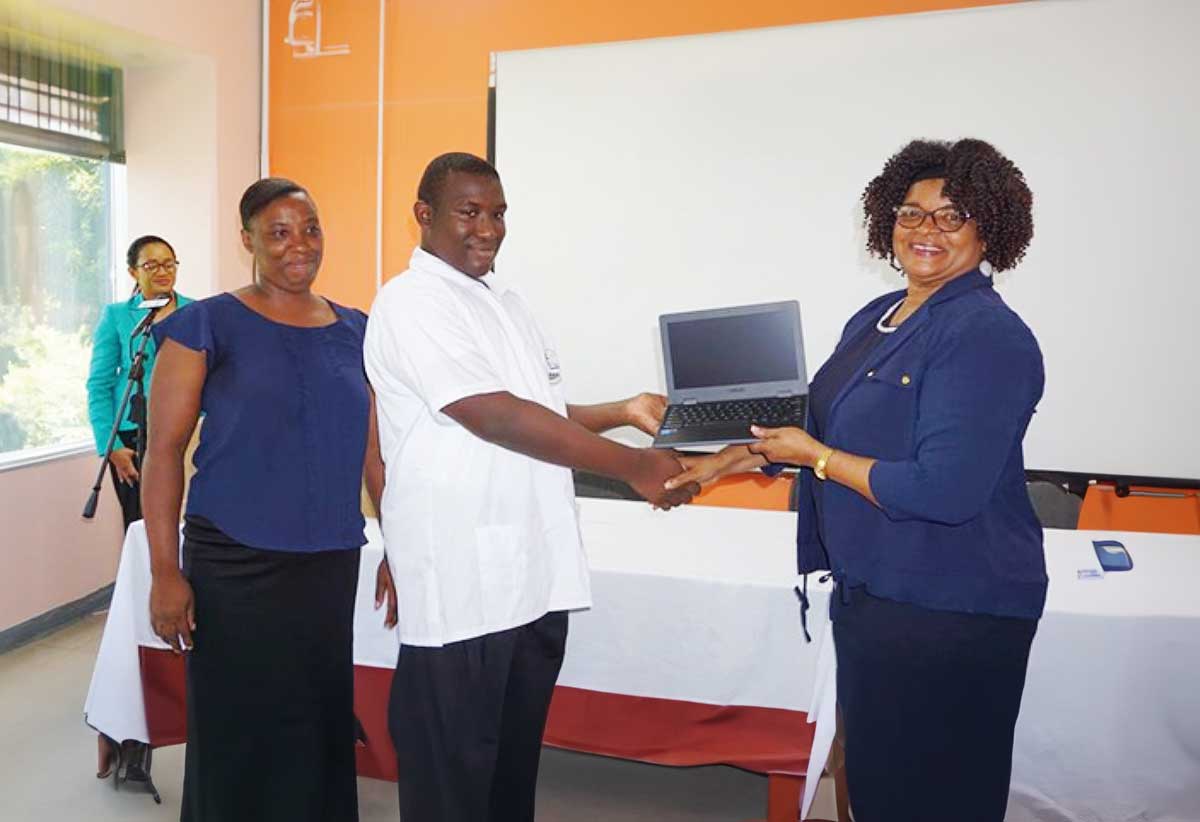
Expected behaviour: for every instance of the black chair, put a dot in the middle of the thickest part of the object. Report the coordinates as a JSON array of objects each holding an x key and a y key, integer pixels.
[{"x": 1055, "y": 506}]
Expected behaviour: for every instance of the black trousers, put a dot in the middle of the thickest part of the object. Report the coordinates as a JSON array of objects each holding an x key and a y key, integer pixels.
[
  {"x": 929, "y": 701},
  {"x": 128, "y": 495},
  {"x": 467, "y": 721},
  {"x": 270, "y": 683}
]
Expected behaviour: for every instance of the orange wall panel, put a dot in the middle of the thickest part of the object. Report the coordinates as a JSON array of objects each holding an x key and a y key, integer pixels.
[
  {"x": 343, "y": 185},
  {"x": 322, "y": 121}
]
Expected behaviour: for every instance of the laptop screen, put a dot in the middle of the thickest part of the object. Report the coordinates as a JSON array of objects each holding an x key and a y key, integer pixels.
[{"x": 733, "y": 350}]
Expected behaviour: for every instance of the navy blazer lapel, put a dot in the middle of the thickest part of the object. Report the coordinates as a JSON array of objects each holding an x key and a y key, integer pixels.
[
  {"x": 894, "y": 342},
  {"x": 897, "y": 339},
  {"x": 902, "y": 335},
  {"x": 955, "y": 288}
]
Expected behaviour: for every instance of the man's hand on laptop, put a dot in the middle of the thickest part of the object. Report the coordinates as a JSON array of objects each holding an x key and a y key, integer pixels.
[
  {"x": 654, "y": 467},
  {"x": 646, "y": 411}
]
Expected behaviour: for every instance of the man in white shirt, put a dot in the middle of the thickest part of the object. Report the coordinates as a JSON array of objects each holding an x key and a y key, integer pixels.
[{"x": 478, "y": 507}]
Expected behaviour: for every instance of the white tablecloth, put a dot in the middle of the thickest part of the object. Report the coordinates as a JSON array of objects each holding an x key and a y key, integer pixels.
[
  {"x": 697, "y": 604},
  {"x": 1110, "y": 719},
  {"x": 114, "y": 702},
  {"x": 676, "y": 595}
]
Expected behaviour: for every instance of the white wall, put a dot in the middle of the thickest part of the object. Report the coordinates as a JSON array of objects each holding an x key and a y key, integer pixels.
[
  {"x": 192, "y": 133},
  {"x": 193, "y": 75},
  {"x": 173, "y": 165}
]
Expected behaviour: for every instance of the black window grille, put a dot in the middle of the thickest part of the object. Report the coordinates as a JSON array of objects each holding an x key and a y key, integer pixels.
[{"x": 59, "y": 99}]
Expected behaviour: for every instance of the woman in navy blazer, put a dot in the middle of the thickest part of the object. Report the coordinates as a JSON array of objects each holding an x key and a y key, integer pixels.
[
  {"x": 914, "y": 495},
  {"x": 152, "y": 266}
]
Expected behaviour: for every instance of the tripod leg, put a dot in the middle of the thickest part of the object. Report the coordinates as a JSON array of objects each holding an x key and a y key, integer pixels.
[
  {"x": 150, "y": 782},
  {"x": 154, "y": 791},
  {"x": 140, "y": 756},
  {"x": 119, "y": 772}
]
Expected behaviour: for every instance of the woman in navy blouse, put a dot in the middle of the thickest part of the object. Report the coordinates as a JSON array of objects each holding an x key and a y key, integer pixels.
[
  {"x": 264, "y": 604},
  {"x": 915, "y": 498}
]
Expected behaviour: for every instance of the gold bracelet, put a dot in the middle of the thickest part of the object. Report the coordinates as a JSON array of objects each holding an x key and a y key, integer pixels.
[{"x": 822, "y": 461}]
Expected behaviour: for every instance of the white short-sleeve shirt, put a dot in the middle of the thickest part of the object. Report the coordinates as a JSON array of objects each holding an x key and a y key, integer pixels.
[{"x": 479, "y": 538}]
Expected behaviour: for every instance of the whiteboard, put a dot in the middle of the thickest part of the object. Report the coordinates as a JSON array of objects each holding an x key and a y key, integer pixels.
[{"x": 694, "y": 172}]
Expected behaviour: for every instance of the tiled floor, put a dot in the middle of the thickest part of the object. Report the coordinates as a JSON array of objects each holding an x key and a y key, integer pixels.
[{"x": 48, "y": 757}]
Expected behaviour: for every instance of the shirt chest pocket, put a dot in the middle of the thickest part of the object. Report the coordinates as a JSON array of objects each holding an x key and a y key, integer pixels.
[
  {"x": 879, "y": 416},
  {"x": 897, "y": 375}
]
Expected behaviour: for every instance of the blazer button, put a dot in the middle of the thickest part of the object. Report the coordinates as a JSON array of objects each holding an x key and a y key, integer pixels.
[{"x": 905, "y": 380}]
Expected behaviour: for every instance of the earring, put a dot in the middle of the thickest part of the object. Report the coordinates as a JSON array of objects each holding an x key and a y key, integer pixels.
[{"x": 986, "y": 268}]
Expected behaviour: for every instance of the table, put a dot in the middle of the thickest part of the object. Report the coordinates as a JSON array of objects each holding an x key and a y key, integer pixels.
[
  {"x": 1110, "y": 718},
  {"x": 693, "y": 654},
  {"x": 664, "y": 649}
]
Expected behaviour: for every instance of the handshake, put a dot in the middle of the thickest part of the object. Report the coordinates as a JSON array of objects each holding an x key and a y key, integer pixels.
[
  {"x": 666, "y": 478},
  {"x": 650, "y": 468}
]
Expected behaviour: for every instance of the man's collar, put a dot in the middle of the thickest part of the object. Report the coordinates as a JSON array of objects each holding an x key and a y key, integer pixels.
[{"x": 433, "y": 264}]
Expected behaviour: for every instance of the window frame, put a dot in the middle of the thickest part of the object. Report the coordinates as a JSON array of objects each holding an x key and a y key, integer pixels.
[{"x": 117, "y": 229}]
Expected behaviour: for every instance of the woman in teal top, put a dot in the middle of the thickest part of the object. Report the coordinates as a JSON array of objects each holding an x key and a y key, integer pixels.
[{"x": 152, "y": 265}]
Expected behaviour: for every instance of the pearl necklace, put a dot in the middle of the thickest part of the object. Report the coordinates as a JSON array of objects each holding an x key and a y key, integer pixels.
[{"x": 882, "y": 327}]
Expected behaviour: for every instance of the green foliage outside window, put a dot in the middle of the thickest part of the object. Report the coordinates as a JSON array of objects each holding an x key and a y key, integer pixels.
[{"x": 55, "y": 259}]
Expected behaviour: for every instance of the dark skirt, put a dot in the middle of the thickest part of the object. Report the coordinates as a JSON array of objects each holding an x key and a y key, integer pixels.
[
  {"x": 270, "y": 683},
  {"x": 929, "y": 700}
]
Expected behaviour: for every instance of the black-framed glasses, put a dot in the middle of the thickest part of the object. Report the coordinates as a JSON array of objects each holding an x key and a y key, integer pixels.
[
  {"x": 154, "y": 266},
  {"x": 947, "y": 218}
]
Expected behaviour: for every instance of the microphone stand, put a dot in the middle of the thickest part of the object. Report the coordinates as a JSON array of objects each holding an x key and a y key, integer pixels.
[
  {"x": 136, "y": 377},
  {"x": 133, "y": 758}
]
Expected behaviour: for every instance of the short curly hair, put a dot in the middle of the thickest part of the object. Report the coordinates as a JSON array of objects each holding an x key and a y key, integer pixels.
[
  {"x": 979, "y": 179},
  {"x": 433, "y": 181}
]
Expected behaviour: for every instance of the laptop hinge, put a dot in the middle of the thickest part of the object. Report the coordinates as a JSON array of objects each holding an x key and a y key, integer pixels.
[{"x": 690, "y": 401}]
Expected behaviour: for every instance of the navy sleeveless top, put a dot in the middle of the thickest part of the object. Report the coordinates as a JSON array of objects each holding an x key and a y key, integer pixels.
[{"x": 280, "y": 460}]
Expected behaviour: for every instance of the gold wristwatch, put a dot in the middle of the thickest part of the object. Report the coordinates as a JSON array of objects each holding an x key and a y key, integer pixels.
[{"x": 822, "y": 461}]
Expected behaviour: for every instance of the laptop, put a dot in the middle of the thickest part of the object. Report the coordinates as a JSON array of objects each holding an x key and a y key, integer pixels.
[{"x": 728, "y": 368}]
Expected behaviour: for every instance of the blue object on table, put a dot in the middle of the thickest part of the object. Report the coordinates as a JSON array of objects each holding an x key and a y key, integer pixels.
[{"x": 1112, "y": 555}]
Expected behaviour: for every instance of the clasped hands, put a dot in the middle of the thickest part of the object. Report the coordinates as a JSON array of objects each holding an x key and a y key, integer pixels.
[
  {"x": 791, "y": 446},
  {"x": 655, "y": 467}
]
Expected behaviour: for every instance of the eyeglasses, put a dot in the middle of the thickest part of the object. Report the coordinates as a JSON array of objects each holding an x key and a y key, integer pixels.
[
  {"x": 154, "y": 266},
  {"x": 946, "y": 218}
]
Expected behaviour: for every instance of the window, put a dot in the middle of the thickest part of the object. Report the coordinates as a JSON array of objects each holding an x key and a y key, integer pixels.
[{"x": 60, "y": 155}]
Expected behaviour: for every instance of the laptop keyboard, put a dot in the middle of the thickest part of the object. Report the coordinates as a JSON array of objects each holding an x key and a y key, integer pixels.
[{"x": 769, "y": 411}]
